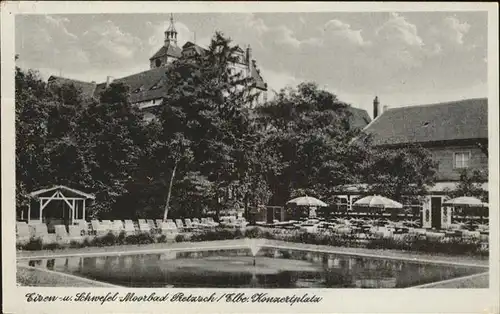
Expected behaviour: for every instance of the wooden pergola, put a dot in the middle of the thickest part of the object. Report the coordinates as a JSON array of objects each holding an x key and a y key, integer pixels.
[{"x": 71, "y": 197}]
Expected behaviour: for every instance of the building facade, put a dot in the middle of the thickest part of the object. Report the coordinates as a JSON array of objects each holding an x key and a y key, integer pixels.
[
  {"x": 148, "y": 88},
  {"x": 455, "y": 133}
]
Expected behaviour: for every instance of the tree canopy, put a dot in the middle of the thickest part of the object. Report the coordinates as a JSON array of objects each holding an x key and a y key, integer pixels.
[{"x": 208, "y": 149}]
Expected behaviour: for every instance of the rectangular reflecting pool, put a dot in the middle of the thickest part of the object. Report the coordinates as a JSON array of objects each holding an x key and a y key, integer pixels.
[{"x": 270, "y": 268}]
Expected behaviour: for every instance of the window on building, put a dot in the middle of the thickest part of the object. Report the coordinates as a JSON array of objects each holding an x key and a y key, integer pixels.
[
  {"x": 156, "y": 86},
  {"x": 158, "y": 63},
  {"x": 341, "y": 203},
  {"x": 461, "y": 160}
]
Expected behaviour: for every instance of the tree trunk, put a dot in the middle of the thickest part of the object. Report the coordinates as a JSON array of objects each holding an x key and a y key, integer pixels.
[
  {"x": 169, "y": 192},
  {"x": 247, "y": 216}
]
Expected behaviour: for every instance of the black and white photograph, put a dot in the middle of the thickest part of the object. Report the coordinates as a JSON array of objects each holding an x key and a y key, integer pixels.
[{"x": 341, "y": 150}]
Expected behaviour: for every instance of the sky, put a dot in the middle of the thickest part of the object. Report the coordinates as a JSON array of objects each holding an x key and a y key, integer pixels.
[{"x": 405, "y": 58}]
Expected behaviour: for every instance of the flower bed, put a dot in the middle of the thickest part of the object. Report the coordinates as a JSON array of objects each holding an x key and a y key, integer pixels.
[{"x": 452, "y": 246}]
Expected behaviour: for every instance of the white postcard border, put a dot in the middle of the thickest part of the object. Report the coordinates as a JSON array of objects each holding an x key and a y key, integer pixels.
[{"x": 334, "y": 300}]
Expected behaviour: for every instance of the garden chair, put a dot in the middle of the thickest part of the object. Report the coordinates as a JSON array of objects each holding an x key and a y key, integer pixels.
[
  {"x": 158, "y": 223},
  {"x": 83, "y": 226},
  {"x": 75, "y": 233},
  {"x": 42, "y": 233},
  {"x": 98, "y": 228},
  {"x": 189, "y": 224},
  {"x": 143, "y": 226},
  {"x": 22, "y": 232},
  {"x": 196, "y": 221},
  {"x": 115, "y": 227},
  {"x": 241, "y": 222},
  {"x": 211, "y": 221},
  {"x": 152, "y": 226},
  {"x": 168, "y": 228},
  {"x": 179, "y": 225},
  {"x": 61, "y": 234},
  {"x": 129, "y": 227}
]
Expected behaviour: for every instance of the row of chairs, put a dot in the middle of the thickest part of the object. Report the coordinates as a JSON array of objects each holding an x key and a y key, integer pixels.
[
  {"x": 24, "y": 231},
  {"x": 148, "y": 225}
]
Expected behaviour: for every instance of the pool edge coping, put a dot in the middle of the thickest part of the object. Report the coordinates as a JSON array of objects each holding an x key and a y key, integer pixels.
[
  {"x": 431, "y": 284},
  {"x": 102, "y": 283},
  {"x": 276, "y": 244}
]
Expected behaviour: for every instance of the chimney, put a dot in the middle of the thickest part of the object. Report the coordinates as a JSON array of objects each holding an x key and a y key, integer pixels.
[
  {"x": 109, "y": 80},
  {"x": 376, "y": 105},
  {"x": 249, "y": 55}
]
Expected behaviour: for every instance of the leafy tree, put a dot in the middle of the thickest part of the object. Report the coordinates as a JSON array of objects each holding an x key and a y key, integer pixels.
[
  {"x": 31, "y": 114},
  {"x": 470, "y": 185},
  {"x": 400, "y": 172},
  {"x": 306, "y": 135},
  {"x": 112, "y": 135},
  {"x": 206, "y": 118}
]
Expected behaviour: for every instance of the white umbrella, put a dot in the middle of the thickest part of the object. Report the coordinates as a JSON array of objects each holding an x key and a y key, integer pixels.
[
  {"x": 307, "y": 201},
  {"x": 465, "y": 201},
  {"x": 377, "y": 201}
]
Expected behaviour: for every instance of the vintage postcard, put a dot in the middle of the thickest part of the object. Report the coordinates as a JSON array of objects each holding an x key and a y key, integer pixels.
[{"x": 248, "y": 157}]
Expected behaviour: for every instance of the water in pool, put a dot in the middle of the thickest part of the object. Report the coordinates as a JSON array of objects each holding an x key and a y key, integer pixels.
[{"x": 271, "y": 268}]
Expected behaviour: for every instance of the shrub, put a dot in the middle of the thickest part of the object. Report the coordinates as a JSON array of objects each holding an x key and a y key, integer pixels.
[
  {"x": 180, "y": 238},
  {"x": 75, "y": 244},
  {"x": 52, "y": 246},
  {"x": 121, "y": 238},
  {"x": 161, "y": 239},
  {"x": 141, "y": 238},
  {"x": 107, "y": 240},
  {"x": 252, "y": 233},
  {"x": 86, "y": 242},
  {"x": 213, "y": 235},
  {"x": 34, "y": 244},
  {"x": 286, "y": 254},
  {"x": 238, "y": 234}
]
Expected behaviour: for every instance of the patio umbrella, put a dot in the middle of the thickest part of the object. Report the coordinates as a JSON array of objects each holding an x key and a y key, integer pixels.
[
  {"x": 377, "y": 201},
  {"x": 307, "y": 201},
  {"x": 465, "y": 201}
]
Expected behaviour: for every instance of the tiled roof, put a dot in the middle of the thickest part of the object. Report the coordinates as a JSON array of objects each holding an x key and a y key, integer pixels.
[
  {"x": 358, "y": 118},
  {"x": 142, "y": 85},
  {"x": 146, "y": 85},
  {"x": 199, "y": 50},
  {"x": 455, "y": 120},
  {"x": 255, "y": 74},
  {"x": 87, "y": 89},
  {"x": 169, "y": 50}
]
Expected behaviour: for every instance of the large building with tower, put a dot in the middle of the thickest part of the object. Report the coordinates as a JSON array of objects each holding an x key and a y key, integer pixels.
[{"x": 147, "y": 88}]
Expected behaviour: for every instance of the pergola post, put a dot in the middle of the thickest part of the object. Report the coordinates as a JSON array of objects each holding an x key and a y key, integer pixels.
[
  {"x": 29, "y": 211},
  {"x": 41, "y": 209},
  {"x": 73, "y": 212},
  {"x": 83, "y": 212}
]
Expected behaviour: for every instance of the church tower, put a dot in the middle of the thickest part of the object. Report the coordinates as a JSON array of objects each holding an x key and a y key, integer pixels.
[
  {"x": 170, "y": 51},
  {"x": 171, "y": 33}
]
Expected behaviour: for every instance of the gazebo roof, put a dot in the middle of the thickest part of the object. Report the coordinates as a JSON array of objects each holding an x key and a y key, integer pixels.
[{"x": 61, "y": 187}]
